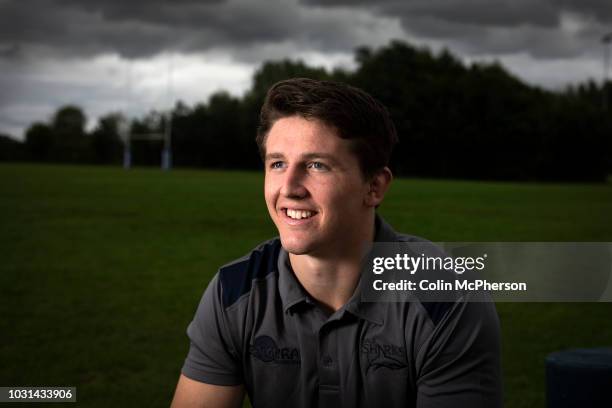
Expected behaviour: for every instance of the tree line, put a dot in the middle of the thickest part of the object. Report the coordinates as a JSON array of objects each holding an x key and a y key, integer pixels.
[{"x": 454, "y": 120}]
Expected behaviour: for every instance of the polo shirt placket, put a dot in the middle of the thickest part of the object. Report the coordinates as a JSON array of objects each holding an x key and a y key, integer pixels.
[{"x": 334, "y": 354}]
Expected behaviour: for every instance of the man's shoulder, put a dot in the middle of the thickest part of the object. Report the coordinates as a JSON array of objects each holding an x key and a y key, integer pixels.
[
  {"x": 412, "y": 238},
  {"x": 420, "y": 246},
  {"x": 386, "y": 233},
  {"x": 236, "y": 278}
]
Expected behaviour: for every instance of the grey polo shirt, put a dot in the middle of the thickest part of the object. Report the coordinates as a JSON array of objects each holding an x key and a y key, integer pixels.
[{"x": 257, "y": 326}]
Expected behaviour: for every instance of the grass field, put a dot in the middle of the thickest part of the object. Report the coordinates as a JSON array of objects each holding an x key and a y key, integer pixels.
[{"x": 102, "y": 269}]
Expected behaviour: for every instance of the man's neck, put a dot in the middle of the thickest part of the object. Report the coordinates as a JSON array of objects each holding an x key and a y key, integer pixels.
[{"x": 332, "y": 279}]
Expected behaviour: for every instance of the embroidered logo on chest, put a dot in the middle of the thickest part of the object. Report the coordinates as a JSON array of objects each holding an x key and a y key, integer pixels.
[
  {"x": 264, "y": 348},
  {"x": 386, "y": 355}
]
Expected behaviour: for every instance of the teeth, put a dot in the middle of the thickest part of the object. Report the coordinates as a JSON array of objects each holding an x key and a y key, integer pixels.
[{"x": 298, "y": 214}]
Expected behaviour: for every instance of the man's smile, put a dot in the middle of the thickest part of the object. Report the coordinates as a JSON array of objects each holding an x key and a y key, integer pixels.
[{"x": 297, "y": 216}]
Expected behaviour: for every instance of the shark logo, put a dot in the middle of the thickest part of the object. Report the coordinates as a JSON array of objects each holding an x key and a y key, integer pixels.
[{"x": 380, "y": 355}]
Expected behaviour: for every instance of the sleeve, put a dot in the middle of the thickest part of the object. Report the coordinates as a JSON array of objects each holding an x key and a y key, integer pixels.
[
  {"x": 461, "y": 359},
  {"x": 212, "y": 357}
]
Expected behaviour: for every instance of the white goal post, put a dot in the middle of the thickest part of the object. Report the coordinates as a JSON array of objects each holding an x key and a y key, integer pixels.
[{"x": 166, "y": 136}]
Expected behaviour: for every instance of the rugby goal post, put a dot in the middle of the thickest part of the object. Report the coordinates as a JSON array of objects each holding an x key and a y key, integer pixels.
[{"x": 166, "y": 136}]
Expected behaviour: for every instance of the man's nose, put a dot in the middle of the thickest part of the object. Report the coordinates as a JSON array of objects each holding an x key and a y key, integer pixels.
[{"x": 293, "y": 183}]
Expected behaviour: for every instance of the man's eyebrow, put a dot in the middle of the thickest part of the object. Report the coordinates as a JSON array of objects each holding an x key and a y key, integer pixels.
[
  {"x": 304, "y": 156},
  {"x": 319, "y": 155},
  {"x": 271, "y": 156}
]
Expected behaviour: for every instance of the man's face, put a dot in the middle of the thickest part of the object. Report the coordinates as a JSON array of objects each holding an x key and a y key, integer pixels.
[{"x": 314, "y": 188}]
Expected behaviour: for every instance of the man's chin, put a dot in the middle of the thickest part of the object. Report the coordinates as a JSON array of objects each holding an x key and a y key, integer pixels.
[
  {"x": 295, "y": 247},
  {"x": 296, "y": 250}
]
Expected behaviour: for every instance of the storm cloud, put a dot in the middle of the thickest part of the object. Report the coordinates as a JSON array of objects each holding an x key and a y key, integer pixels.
[
  {"x": 543, "y": 29},
  {"x": 69, "y": 51},
  {"x": 139, "y": 29}
]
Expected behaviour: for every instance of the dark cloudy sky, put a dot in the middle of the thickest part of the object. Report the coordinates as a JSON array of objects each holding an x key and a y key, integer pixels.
[{"x": 87, "y": 52}]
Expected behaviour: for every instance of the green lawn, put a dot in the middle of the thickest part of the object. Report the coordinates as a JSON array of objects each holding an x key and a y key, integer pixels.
[{"x": 102, "y": 269}]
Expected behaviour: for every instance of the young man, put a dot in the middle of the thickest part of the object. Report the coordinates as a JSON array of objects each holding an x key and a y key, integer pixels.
[{"x": 286, "y": 323}]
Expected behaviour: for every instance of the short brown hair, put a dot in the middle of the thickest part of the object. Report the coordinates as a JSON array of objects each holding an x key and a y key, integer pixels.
[{"x": 352, "y": 112}]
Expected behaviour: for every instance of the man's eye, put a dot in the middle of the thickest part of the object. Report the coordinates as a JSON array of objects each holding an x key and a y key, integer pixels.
[
  {"x": 276, "y": 165},
  {"x": 317, "y": 166}
]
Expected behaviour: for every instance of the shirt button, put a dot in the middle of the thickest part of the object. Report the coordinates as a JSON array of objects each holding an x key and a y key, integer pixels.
[{"x": 327, "y": 361}]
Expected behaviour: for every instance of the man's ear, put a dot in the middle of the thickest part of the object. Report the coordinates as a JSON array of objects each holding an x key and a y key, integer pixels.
[{"x": 379, "y": 183}]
